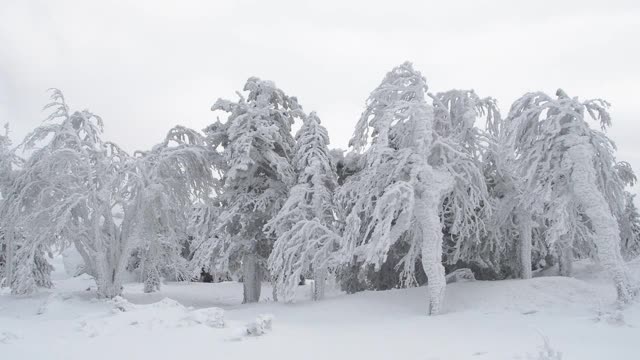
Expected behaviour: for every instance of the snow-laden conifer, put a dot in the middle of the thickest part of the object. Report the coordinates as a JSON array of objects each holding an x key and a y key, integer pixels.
[
  {"x": 305, "y": 226},
  {"x": 630, "y": 228},
  {"x": 9, "y": 161},
  {"x": 257, "y": 148}
]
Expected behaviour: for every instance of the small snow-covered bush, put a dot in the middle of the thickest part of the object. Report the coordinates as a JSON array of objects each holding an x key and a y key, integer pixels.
[
  {"x": 121, "y": 304},
  {"x": 261, "y": 325},
  {"x": 460, "y": 275},
  {"x": 546, "y": 352},
  {"x": 612, "y": 317}
]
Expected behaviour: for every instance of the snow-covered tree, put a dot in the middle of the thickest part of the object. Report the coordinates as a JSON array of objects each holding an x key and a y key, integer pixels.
[
  {"x": 630, "y": 228},
  {"x": 412, "y": 167},
  {"x": 171, "y": 177},
  {"x": 466, "y": 209},
  {"x": 569, "y": 170},
  {"x": 257, "y": 149},
  {"x": 72, "y": 189},
  {"x": 76, "y": 189},
  {"x": 346, "y": 164},
  {"x": 38, "y": 272},
  {"x": 304, "y": 228},
  {"x": 8, "y": 160},
  {"x": 513, "y": 222}
]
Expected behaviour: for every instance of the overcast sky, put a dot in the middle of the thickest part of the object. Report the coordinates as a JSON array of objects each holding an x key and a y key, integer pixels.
[{"x": 145, "y": 66}]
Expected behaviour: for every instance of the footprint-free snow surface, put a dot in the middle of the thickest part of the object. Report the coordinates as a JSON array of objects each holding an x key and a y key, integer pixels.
[{"x": 508, "y": 319}]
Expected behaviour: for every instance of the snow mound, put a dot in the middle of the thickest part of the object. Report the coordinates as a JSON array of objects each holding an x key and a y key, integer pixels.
[
  {"x": 610, "y": 316},
  {"x": 44, "y": 307},
  {"x": 121, "y": 304},
  {"x": 7, "y": 337},
  {"x": 162, "y": 315},
  {"x": 211, "y": 317},
  {"x": 551, "y": 294}
]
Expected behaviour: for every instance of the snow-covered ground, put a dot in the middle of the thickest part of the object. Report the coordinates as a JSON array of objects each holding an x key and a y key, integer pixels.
[{"x": 482, "y": 320}]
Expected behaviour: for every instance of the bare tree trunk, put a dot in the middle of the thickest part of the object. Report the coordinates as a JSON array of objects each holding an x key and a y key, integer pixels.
[
  {"x": 319, "y": 282},
  {"x": 252, "y": 280},
  {"x": 606, "y": 228},
  {"x": 525, "y": 246}
]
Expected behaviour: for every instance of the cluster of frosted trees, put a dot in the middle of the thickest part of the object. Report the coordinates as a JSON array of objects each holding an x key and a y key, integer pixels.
[{"x": 433, "y": 182}]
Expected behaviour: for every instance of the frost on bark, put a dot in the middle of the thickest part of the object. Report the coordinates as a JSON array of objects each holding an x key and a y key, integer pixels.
[
  {"x": 42, "y": 269},
  {"x": 9, "y": 257},
  {"x": 605, "y": 226},
  {"x": 525, "y": 247},
  {"x": 429, "y": 225},
  {"x": 108, "y": 285},
  {"x": 565, "y": 258},
  {"x": 319, "y": 283},
  {"x": 23, "y": 281}
]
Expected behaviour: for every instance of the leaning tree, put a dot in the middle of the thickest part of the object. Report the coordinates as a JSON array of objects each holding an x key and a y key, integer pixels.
[
  {"x": 411, "y": 169},
  {"x": 569, "y": 171}
]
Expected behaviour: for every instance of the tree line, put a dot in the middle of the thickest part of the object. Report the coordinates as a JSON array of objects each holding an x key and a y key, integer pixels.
[{"x": 433, "y": 182}]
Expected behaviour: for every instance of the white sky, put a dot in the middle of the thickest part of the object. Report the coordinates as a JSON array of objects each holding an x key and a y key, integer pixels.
[{"x": 145, "y": 66}]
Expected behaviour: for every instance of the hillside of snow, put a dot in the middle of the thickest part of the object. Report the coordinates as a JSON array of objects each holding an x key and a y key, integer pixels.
[{"x": 482, "y": 320}]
